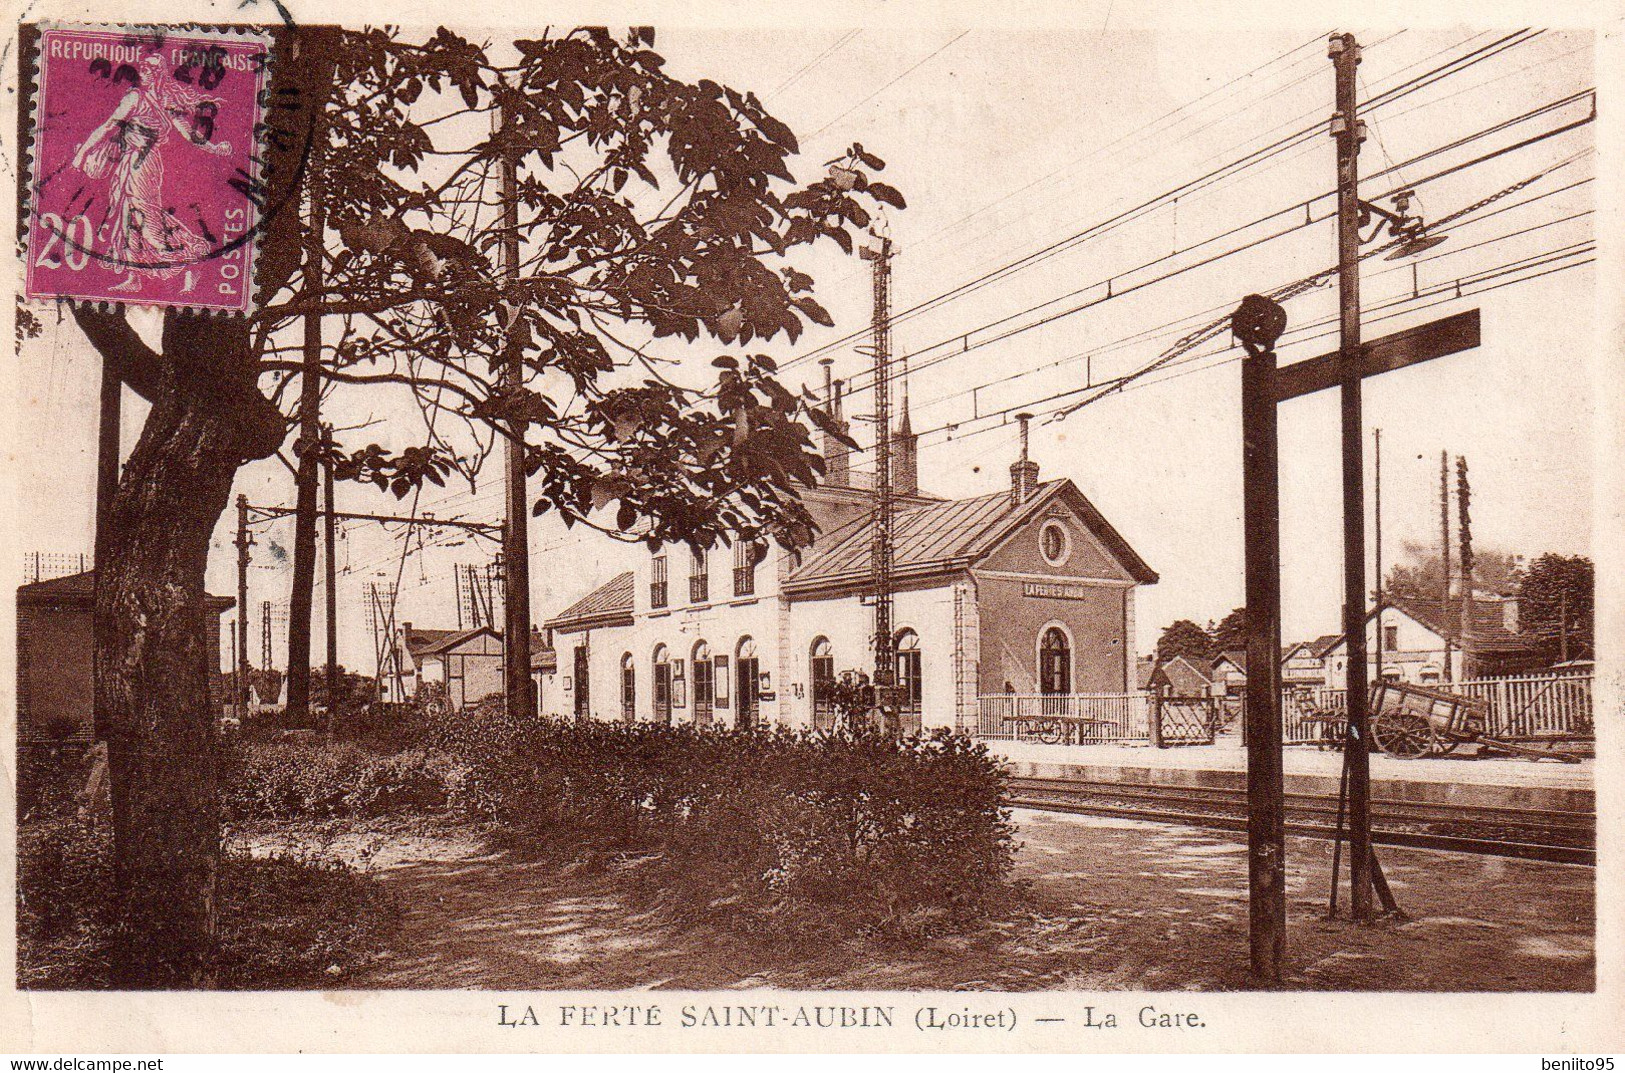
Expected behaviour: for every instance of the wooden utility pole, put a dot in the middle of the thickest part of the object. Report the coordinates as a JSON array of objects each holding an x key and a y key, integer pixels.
[
  {"x": 1444, "y": 558},
  {"x": 244, "y": 541},
  {"x": 1376, "y": 479},
  {"x": 1258, "y": 323},
  {"x": 1464, "y": 496},
  {"x": 330, "y": 594},
  {"x": 302, "y": 600},
  {"x": 107, "y": 469},
  {"x": 1350, "y": 132},
  {"x": 880, "y": 548},
  {"x": 516, "y": 524}
]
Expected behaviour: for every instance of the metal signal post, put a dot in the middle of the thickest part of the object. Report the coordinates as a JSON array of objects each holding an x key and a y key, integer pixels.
[{"x": 880, "y": 549}]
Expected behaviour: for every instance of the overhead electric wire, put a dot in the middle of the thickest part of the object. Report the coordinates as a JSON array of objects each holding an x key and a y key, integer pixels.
[
  {"x": 917, "y": 65},
  {"x": 965, "y": 344},
  {"x": 1247, "y": 160}
]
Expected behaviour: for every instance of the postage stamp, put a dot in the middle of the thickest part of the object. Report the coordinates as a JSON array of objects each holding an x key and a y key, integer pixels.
[{"x": 145, "y": 185}]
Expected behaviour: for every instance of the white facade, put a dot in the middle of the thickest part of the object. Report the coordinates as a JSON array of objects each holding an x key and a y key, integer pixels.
[{"x": 1410, "y": 652}]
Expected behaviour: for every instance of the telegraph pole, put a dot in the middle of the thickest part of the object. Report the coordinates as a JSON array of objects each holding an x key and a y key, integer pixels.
[
  {"x": 516, "y": 528},
  {"x": 302, "y": 600},
  {"x": 1376, "y": 458},
  {"x": 239, "y": 655},
  {"x": 1350, "y": 132},
  {"x": 1464, "y": 519},
  {"x": 107, "y": 451},
  {"x": 1444, "y": 555},
  {"x": 880, "y": 550},
  {"x": 331, "y": 578}
]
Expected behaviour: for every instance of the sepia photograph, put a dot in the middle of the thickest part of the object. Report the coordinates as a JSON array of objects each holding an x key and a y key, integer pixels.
[{"x": 751, "y": 524}]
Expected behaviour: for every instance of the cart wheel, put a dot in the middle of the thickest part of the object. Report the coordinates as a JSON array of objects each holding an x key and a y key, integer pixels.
[
  {"x": 1402, "y": 735},
  {"x": 1049, "y": 733}
]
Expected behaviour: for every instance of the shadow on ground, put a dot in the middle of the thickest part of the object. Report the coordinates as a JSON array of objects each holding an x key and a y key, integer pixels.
[{"x": 1113, "y": 905}]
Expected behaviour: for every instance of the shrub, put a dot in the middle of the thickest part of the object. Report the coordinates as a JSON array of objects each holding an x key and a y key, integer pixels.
[
  {"x": 853, "y": 829},
  {"x": 312, "y": 780},
  {"x": 285, "y": 922}
]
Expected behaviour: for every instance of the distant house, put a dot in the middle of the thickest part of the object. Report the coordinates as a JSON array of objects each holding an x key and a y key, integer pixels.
[
  {"x": 1303, "y": 665},
  {"x": 1420, "y": 638},
  {"x": 55, "y": 694},
  {"x": 1230, "y": 673},
  {"x": 468, "y": 663},
  {"x": 1181, "y": 678}
]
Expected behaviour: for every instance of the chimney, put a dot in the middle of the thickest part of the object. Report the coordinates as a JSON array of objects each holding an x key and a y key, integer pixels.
[
  {"x": 837, "y": 459},
  {"x": 1024, "y": 474},
  {"x": 905, "y": 473},
  {"x": 1509, "y": 613}
]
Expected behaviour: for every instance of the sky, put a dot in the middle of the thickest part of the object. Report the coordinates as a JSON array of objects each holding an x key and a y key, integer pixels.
[{"x": 1006, "y": 143}]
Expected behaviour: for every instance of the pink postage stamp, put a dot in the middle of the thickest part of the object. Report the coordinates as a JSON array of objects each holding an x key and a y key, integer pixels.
[{"x": 146, "y": 185}]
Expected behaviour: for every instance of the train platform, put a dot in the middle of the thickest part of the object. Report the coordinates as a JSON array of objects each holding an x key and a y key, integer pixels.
[{"x": 1457, "y": 779}]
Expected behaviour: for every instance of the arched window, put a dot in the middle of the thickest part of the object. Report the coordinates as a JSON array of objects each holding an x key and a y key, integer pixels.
[
  {"x": 823, "y": 676},
  {"x": 909, "y": 680},
  {"x": 629, "y": 688},
  {"x": 704, "y": 684},
  {"x": 662, "y": 684},
  {"x": 1054, "y": 662},
  {"x": 748, "y": 688}
]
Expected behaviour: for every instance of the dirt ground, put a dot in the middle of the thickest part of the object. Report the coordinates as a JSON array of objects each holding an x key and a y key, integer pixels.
[{"x": 1111, "y": 905}]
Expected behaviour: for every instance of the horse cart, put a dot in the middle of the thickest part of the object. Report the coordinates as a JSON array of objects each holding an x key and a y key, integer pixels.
[{"x": 1410, "y": 721}]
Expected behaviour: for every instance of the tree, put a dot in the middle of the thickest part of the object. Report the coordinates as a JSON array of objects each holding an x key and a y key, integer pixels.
[
  {"x": 1231, "y": 633},
  {"x": 1419, "y": 575},
  {"x": 1555, "y": 606},
  {"x": 647, "y": 211},
  {"x": 1185, "y": 638}
]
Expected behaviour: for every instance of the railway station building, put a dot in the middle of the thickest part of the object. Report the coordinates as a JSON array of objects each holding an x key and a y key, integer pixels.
[{"x": 1029, "y": 590}]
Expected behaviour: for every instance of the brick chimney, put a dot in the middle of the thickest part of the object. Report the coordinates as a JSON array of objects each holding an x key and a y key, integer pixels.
[
  {"x": 1024, "y": 473},
  {"x": 905, "y": 463},
  {"x": 837, "y": 457}
]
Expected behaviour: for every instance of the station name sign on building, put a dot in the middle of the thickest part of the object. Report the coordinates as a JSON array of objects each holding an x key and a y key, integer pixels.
[{"x": 1048, "y": 590}]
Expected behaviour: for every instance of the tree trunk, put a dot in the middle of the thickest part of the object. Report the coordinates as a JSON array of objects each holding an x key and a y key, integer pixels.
[{"x": 207, "y": 419}]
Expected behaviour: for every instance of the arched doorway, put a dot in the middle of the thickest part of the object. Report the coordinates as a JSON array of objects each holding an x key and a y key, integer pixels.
[
  {"x": 823, "y": 677},
  {"x": 662, "y": 685},
  {"x": 749, "y": 687},
  {"x": 1054, "y": 662},
  {"x": 909, "y": 680},
  {"x": 704, "y": 693},
  {"x": 629, "y": 688}
]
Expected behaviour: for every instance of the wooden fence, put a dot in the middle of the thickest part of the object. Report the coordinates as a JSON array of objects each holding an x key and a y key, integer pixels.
[{"x": 1531, "y": 708}]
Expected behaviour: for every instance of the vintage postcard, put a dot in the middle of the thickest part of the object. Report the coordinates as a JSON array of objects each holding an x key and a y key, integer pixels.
[{"x": 1086, "y": 528}]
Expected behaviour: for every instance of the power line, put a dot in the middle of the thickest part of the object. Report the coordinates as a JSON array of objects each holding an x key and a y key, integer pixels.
[
  {"x": 933, "y": 54},
  {"x": 965, "y": 344}
]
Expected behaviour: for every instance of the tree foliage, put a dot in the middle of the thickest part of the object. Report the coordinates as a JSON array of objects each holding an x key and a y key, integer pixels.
[
  {"x": 1230, "y": 633},
  {"x": 1419, "y": 573},
  {"x": 1556, "y": 605},
  {"x": 1185, "y": 638}
]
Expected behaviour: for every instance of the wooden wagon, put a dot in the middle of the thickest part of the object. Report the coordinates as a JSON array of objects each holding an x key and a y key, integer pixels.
[{"x": 1409, "y": 721}]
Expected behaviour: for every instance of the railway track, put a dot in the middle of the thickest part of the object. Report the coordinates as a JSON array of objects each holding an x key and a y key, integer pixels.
[{"x": 1530, "y": 834}]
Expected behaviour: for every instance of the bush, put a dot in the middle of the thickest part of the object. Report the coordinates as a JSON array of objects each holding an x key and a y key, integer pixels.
[
  {"x": 312, "y": 780},
  {"x": 849, "y": 829},
  {"x": 285, "y": 922}
]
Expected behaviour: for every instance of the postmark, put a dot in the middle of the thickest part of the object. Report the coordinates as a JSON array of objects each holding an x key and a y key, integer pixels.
[{"x": 147, "y": 182}]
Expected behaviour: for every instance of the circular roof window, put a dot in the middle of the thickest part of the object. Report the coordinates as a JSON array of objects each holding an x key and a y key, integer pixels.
[{"x": 1054, "y": 543}]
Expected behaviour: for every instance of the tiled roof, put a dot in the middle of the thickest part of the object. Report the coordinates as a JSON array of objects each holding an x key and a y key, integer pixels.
[
  {"x": 1237, "y": 656},
  {"x": 81, "y": 587},
  {"x": 1323, "y": 644},
  {"x": 610, "y": 601},
  {"x": 936, "y": 535},
  {"x": 421, "y": 641},
  {"x": 450, "y": 640},
  {"x": 1488, "y": 632}
]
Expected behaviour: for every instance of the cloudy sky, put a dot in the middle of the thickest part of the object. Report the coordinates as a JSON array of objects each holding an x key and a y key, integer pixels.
[{"x": 1013, "y": 148}]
